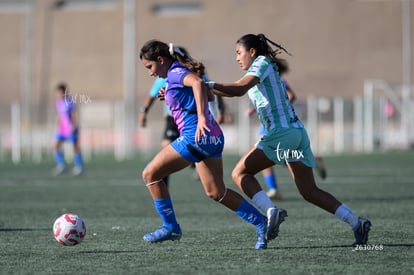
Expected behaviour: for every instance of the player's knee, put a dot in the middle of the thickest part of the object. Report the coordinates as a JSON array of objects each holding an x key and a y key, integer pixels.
[
  {"x": 215, "y": 195},
  {"x": 212, "y": 195},
  {"x": 236, "y": 175},
  {"x": 215, "y": 190},
  {"x": 147, "y": 175},
  {"x": 309, "y": 194},
  {"x": 306, "y": 196}
]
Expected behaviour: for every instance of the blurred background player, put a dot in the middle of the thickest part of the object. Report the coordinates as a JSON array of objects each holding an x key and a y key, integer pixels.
[
  {"x": 269, "y": 176},
  {"x": 219, "y": 110},
  {"x": 68, "y": 130}
]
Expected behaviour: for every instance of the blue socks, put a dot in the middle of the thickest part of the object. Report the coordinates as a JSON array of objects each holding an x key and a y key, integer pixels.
[
  {"x": 247, "y": 212},
  {"x": 165, "y": 210},
  {"x": 60, "y": 160},
  {"x": 270, "y": 181},
  {"x": 78, "y": 160}
]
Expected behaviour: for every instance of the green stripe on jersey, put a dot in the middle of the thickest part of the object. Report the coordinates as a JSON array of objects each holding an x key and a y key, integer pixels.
[{"x": 269, "y": 97}]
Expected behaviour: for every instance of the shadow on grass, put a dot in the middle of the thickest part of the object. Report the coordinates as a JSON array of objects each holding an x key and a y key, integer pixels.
[
  {"x": 356, "y": 199},
  {"x": 269, "y": 248},
  {"x": 110, "y": 252},
  {"x": 23, "y": 229}
]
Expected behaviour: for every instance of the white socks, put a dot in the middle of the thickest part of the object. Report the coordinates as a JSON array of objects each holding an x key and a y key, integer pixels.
[
  {"x": 345, "y": 214},
  {"x": 262, "y": 201}
]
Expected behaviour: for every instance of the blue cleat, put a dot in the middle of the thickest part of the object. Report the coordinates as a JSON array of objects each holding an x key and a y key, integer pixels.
[
  {"x": 163, "y": 234},
  {"x": 275, "y": 216},
  {"x": 261, "y": 235},
  {"x": 361, "y": 232}
]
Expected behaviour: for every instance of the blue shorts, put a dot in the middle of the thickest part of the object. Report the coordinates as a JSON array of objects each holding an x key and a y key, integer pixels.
[
  {"x": 287, "y": 145},
  {"x": 207, "y": 147},
  {"x": 73, "y": 137}
]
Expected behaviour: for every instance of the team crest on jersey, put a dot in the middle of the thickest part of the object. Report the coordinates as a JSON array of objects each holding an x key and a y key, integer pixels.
[{"x": 178, "y": 71}]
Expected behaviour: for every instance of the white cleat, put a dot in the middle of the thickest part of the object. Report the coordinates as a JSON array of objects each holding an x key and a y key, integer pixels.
[{"x": 275, "y": 216}]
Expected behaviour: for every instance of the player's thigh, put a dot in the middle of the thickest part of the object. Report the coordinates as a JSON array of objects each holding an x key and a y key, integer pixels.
[
  {"x": 303, "y": 176},
  {"x": 254, "y": 161},
  {"x": 210, "y": 171},
  {"x": 165, "y": 142},
  {"x": 166, "y": 162}
]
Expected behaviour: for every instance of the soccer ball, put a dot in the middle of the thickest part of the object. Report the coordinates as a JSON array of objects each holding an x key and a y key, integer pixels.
[{"x": 69, "y": 229}]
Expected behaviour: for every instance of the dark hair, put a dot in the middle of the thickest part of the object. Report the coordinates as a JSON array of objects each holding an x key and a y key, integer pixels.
[
  {"x": 261, "y": 44},
  {"x": 154, "y": 48},
  {"x": 282, "y": 66},
  {"x": 62, "y": 87}
]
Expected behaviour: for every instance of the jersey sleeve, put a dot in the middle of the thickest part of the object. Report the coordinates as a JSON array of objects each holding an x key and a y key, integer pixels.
[
  {"x": 176, "y": 76},
  {"x": 259, "y": 67}
]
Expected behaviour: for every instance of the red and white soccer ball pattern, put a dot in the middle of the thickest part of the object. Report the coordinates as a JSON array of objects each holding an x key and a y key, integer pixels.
[{"x": 69, "y": 229}]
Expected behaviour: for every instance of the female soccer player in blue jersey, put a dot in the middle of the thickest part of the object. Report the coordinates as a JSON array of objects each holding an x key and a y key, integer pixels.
[
  {"x": 201, "y": 141},
  {"x": 285, "y": 139}
]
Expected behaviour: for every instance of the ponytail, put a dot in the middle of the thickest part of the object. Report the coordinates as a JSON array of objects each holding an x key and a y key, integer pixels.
[
  {"x": 182, "y": 55},
  {"x": 263, "y": 46}
]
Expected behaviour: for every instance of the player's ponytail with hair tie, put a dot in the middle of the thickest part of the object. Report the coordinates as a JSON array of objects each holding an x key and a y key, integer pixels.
[
  {"x": 262, "y": 37},
  {"x": 173, "y": 50}
]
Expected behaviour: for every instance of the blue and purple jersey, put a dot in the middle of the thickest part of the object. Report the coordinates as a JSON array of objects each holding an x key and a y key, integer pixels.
[
  {"x": 64, "y": 107},
  {"x": 182, "y": 103}
]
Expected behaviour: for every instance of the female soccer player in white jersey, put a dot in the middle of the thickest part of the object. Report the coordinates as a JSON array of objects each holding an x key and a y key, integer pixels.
[
  {"x": 285, "y": 138},
  {"x": 269, "y": 174},
  {"x": 201, "y": 141}
]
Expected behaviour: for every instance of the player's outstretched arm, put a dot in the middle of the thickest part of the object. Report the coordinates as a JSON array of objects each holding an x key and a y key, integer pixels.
[
  {"x": 144, "y": 111},
  {"x": 238, "y": 88}
]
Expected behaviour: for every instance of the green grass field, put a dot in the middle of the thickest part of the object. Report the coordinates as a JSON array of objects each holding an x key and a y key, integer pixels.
[{"x": 117, "y": 210}]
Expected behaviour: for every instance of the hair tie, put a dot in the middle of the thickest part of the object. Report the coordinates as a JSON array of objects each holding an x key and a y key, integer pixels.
[{"x": 173, "y": 50}]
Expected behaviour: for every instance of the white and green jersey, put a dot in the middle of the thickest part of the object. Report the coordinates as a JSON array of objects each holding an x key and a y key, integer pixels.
[{"x": 269, "y": 97}]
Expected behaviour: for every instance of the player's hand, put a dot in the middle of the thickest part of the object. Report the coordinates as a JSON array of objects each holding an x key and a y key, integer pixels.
[
  {"x": 201, "y": 129},
  {"x": 250, "y": 112},
  {"x": 161, "y": 94},
  {"x": 142, "y": 119}
]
